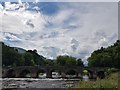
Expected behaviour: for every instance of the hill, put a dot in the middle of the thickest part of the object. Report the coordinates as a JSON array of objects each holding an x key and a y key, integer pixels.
[
  {"x": 106, "y": 57},
  {"x": 13, "y": 56}
]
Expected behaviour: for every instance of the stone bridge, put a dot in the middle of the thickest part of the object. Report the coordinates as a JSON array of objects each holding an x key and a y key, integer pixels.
[{"x": 63, "y": 71}]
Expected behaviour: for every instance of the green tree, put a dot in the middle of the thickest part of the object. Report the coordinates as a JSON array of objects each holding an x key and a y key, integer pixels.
[
  {"x": 66, "y": 60},
  {"x": 106, "y": 57},
  {"x": 28, "y": 59},
  {"x": 38, "y": 59},
  {"x": 71, "y": 61},
  {"x": 61, "y": 60},
  {"x": 80, "y": 63},
  {"x": 49, "y": 62},
  {"x": 10, "y": 56}
]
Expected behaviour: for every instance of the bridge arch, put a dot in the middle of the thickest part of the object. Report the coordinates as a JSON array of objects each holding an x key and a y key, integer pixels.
[
  {"x": 40, "y": 73},
  {"x": 55, "y": 73},
  {"x": 25, "y": 73},
  {"x": 71, "y": 73},
  {"x": 33, "y": 71},
  {"x": 88, "y": 72}
]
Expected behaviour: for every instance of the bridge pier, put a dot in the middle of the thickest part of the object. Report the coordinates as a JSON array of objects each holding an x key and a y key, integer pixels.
[
  {"x": 17, "y": 75},
  {"x": 77, "y": 75},
  {"x": 34, "y": 74},
  {"x": 80, "y": 75},
  {"x": 48, "y": 74},
  {"x": 63, "y": 75}
]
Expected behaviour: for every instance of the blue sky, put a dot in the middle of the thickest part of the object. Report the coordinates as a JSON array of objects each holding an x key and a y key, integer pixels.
[{"x": 54, "y": 29}]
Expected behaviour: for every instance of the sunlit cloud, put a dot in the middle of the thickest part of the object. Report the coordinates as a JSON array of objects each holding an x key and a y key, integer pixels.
[{"x": 75, "y": 29}]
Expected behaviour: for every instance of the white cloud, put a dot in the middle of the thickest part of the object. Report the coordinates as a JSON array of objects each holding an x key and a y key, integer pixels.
[{"x": 77, "y": 29}]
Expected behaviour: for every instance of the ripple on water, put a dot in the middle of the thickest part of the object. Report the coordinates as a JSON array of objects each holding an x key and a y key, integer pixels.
[{"x": 37, "y": 83}]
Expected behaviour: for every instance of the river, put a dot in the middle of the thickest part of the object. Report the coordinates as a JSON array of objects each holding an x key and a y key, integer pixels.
[{"x": 38, "y": 83}]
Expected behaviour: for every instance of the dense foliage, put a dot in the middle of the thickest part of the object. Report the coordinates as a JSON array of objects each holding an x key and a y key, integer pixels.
[
  {"x": 68, "y": 60},
  {"x": 11, "y": 57},
  {"x": 106, "y": 57}
]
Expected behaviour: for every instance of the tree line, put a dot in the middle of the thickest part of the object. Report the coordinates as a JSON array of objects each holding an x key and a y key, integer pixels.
[
  {"x": 11, "y": 57},
  {"x": 106, "y": 57},
  {"x": 103, "y": 57}
]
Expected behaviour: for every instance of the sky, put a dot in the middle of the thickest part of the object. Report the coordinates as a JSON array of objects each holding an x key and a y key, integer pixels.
[{"x": 59, "y": 28}]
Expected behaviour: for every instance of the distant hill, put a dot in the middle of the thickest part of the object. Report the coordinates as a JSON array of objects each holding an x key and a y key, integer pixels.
[
  {"x": 20, "y": 50},
  {"x": 14, "y": 56}
]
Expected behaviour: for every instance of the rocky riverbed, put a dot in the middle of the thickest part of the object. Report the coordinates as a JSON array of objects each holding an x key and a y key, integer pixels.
[{"x": 38, "y": 83}]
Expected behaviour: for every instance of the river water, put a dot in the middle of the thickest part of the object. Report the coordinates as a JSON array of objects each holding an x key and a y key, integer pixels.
[{"x": 38, "y": 83}]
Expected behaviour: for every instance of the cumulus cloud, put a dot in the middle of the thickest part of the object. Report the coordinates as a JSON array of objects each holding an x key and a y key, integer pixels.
[{"x": 76, "y": 29}]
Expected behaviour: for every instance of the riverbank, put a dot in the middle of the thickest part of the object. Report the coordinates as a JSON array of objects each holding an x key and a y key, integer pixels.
[{"x": 111, "y": 81}]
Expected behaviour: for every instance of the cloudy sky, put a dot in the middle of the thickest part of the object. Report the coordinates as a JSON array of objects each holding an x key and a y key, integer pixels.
[{"x": 59, "y": 28}]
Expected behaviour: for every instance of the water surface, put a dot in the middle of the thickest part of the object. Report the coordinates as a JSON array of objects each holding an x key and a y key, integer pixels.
[{"x": 38, "y": 83}]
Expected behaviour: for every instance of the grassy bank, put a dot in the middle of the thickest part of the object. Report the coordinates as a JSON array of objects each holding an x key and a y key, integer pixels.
[{"x": 110, "y": 81}]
